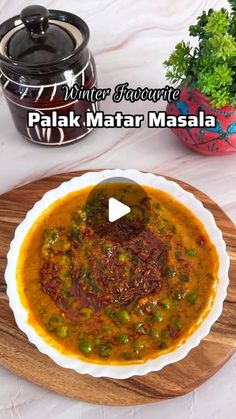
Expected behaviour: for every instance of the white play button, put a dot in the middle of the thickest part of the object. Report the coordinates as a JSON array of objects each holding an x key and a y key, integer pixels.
[{"x": 116, "y": 210}]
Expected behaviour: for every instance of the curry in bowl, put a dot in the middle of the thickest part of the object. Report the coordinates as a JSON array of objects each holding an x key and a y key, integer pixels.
[{"x": 110, "y": 301}]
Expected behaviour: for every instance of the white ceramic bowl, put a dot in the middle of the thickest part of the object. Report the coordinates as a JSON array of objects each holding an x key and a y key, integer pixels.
[{"x": 122, "y": 371}]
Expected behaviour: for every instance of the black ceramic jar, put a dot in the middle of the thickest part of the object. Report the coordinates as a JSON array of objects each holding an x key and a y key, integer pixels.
[{"x": 41, "y": 51}]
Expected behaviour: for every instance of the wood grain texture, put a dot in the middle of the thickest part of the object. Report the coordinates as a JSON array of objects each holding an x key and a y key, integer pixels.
[{"x": 22, "y": 358}]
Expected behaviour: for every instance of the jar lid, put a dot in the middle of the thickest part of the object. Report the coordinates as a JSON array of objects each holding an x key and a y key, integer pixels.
[
  {"x": 39, "y": 41},
  {"x": 40, "y": 37}
]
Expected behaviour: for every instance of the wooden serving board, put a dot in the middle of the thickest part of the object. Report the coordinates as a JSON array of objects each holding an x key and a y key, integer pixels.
[{"x": 23, "y": 359}]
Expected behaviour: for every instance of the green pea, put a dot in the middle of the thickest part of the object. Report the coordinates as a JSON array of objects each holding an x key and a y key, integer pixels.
[
  {"x": 104, "y": 350},
  {"x": 191, "y": 252},
  {"x": 163, "y": 345},
  {"x": 123, "y": 338},
  {"x": 121, "y": 257},
  {"x": 74, "y": 233},
  {"x": 139, "y": 345},
  {"x": 170, "y": 272},
  {"x": 192, "y": 298},
  {"x": 164, "y": 334},
  {"x": 154, "y": 333},
  {"x": 55, "y": 320},
  {"x": 158, "y": 316},
  {"x": 85, "y": 347},
  {"x": 86, "y": 313},
  {"x": 106, "y": 328},
  {"x": 109, "y": 313},
  {"x": 123, "y": 316},
  {"x": 62, "y": 331},
  {"x": 161, "y": 226},
  {"x": 178, "y": 324},
  {"x": 137, "y": 326},
  {"x": 165, "y": 304},
  {"x": 157, "y": 206}
]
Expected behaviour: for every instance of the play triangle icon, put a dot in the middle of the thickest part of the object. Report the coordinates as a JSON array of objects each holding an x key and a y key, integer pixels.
[{"x": 117, "y": 210}]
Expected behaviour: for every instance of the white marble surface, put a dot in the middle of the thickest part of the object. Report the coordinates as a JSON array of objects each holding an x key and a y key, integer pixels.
[{"x": 129, "y": 39}]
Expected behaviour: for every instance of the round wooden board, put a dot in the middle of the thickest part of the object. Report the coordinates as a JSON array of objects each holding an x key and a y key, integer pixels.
[{"x": 23, "y": 359}]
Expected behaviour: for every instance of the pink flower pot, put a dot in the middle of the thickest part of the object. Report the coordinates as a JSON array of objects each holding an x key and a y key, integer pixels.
[{"x": 216, "y": 141}]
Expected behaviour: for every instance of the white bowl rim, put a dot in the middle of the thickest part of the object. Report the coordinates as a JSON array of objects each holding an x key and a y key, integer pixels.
[{"x": 117, "y": 371}]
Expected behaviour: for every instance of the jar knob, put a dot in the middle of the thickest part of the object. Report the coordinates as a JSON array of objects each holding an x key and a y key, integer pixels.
[{"x": 35, "y": 19}]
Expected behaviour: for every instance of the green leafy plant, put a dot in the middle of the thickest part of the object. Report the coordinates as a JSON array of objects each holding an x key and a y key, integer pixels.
[{"x": 211, "y": 66}]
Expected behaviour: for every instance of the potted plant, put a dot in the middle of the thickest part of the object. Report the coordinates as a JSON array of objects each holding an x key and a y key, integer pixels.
[{"x": 207, "y": 77}]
